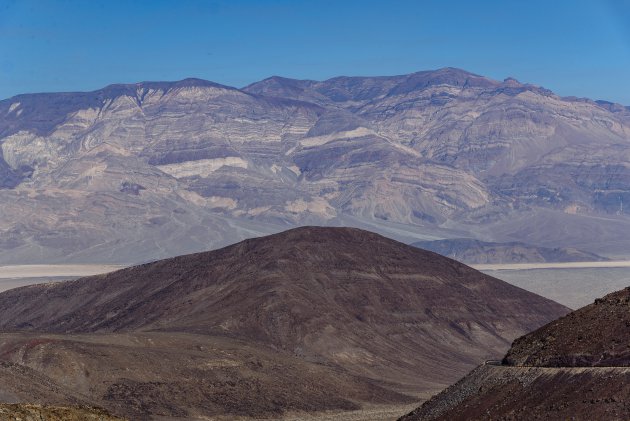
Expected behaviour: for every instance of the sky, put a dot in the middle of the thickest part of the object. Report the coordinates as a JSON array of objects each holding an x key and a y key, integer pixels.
[{"x": 574, "y": 47}]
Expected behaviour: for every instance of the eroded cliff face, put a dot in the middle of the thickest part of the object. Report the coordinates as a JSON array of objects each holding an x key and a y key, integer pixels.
[{"x": 190, "y": 165}]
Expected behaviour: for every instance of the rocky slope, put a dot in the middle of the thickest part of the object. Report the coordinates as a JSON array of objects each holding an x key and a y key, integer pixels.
[
  {"x": 593, "y": 336},
  {"x": 527, "y": 393},
  {"x": 575, "y": 367},
  {"x": 271, "y": 324},
  {"x": 146, "y": 376},
  {"x": 156, "y": 169},
  {"x": 472, "y": 251}
]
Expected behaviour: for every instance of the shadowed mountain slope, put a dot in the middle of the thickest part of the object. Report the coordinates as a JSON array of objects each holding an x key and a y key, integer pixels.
[
  {"x": 594, "y": 336},
  {"x": 386, "y": 317},
  {"x": 576, "y": 367}
]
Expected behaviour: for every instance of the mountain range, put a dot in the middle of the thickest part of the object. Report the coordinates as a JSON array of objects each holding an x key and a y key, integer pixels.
[{"x": 132, "y": 173}]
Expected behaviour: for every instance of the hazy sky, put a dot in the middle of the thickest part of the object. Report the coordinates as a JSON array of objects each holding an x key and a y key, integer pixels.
[{"x": 573, "y": 47}]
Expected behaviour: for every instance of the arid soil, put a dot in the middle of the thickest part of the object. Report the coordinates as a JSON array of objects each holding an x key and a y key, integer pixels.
[
  {"x": 183, "y": 375},
  {"x": 22, "y": 412},
  {"x": 532, "y": 393},
  {"x": 558, "y": 265},
  {"x": 39, "y": 271},
  {"x": 574, "y": 288},
  {"x": 312, "y": 319}
]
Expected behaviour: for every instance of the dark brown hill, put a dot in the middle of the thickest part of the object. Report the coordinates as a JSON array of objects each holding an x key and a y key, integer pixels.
[
  {"x": 381, "y": 317},
  {"x": 343, "y": 294},
  {"x": 576, "y": 367}
]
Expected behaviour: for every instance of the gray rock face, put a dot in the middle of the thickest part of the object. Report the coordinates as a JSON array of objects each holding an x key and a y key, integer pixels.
[{"x": 149, "y": 170}]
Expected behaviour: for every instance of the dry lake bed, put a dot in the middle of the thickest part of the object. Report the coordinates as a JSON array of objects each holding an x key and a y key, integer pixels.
[
  {"x": 574, "y": 284},
  {"x": 13, "y": 276}
]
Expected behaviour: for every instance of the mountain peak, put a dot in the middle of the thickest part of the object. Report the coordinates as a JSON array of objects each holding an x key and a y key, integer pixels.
[{"x": 121, "y": 89}]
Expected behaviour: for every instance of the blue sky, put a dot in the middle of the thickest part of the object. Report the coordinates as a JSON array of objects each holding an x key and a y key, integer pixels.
[{"x": 573, "y": 47}]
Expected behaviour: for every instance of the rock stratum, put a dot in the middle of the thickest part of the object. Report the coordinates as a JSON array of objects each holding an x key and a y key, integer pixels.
[
  {"x": 307, "y": 320},
  {"x": 130, "y": 173},
  {"x": 576, "y": 367}
]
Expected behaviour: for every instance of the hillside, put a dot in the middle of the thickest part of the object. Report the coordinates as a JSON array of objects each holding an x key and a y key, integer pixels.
[
  {"x": 11, "y": 412},
  {"x": 289, "y": 315},
  {"x": 134, "y": 172},
  {"x": 580, "y": 339},
  {"x": 576, "y": 367}
]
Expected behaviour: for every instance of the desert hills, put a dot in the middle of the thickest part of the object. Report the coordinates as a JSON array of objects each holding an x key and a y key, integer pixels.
[{"x": 310, "y": 319}]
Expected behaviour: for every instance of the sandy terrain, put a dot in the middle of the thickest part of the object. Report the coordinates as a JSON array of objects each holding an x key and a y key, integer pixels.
[
  {"x": 562, "y": 265},
  {"x": 375, "y": 413},
  {"x": 44, "y": 271},
  {"x": 572, "y": 287},
  {"x": 10, "y": 283}
]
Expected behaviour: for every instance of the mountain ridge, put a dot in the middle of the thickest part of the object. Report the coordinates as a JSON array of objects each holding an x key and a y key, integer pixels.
[{"x": 444, "y": 154}]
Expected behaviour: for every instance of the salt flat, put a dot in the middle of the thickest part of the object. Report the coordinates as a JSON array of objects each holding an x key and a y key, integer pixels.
[
  {"x": 573, "y": 287},
  {"x": 560, "y": 265},
  {"x": 43, "y": 271}
]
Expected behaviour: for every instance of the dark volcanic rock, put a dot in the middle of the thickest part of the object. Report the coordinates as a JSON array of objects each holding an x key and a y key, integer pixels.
[
  {"x": 532, "y": 393},
  {"x": 594, "y": 336},
  {"x": 576, "y": 367}
]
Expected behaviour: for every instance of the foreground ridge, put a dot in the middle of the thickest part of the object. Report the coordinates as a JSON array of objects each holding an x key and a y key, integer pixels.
[
  {"x": 26, "y": 412},
  {"x": 576, "y": 367}
]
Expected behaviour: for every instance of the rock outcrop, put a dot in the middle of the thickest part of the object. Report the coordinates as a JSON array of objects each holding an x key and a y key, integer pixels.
[{"x": 576, "y": 367}]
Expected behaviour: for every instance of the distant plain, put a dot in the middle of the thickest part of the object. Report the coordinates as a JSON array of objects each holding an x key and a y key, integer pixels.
[
  {"x": 574, "y": 288},
  {"x": 14, "y": 276}
]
